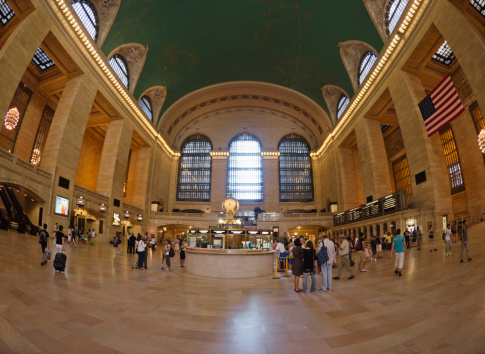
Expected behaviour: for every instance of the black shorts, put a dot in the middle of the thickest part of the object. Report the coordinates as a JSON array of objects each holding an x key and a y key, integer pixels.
[
  {"x": 43, "y": 246},
  {"x": 389, "y": 246}
]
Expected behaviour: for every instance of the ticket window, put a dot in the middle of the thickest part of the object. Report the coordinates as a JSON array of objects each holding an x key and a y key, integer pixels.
[
  {"x": 218, "y": 242},
  {"x": 266, "y": 242},
  {"x": 251, "y": 242},
  {"x": 202, "y": 240},
  {"x": 235, "y": 241}
]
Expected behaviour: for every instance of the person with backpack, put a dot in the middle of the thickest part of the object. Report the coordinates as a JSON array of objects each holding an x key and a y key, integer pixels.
[
  {"x": 168, "y": 253},
  {"x": 43, "y": 238},
  {"x": 141, "y": 250},
  {"x": 326, "y": 258}
]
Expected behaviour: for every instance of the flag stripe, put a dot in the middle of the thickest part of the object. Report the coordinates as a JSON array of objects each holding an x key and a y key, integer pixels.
[{"x": 444, "y": 104}]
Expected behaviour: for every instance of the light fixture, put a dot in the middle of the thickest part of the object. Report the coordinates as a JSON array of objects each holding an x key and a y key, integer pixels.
[
  {"x": 35, "y": 157},
  {"x": 221, "y": 221},
  {"x": 481, "y": 140},
  {"x": 140, "y": 218},
  {"x": 127, "y": 214},
  {"x": 12, "y": 118},
  {"x": 102, "y": 207},
  {"x": 238, "y": 221}
]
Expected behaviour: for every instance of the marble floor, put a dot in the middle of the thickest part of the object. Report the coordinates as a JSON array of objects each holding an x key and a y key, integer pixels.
[{"x": 101, "y": 305}]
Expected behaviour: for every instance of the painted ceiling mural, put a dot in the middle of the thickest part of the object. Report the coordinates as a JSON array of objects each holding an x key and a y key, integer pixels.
[{"x": 196, "y": 43}]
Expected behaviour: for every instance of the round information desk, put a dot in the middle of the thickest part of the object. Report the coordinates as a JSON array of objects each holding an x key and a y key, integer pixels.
[{"x": 219, "y": 263}]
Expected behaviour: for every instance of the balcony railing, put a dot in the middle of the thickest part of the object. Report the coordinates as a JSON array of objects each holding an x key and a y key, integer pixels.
[{"x": 389, "y": 204}]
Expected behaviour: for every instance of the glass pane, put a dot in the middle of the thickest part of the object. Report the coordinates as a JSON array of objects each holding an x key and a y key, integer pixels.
[
  {"x": 394, "y": 12},
  {"x": 85, "y": 11},
  {"x": 366, "y": 63}
]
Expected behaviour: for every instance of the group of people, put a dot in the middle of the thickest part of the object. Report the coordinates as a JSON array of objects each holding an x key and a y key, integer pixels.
[{"x": 59, "y": 240}]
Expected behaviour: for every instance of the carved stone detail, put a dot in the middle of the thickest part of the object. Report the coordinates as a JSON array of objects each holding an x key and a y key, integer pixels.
[
  {"x": 157, "y": 95},
  {"x": 351, "y": 52},
  {"x": 377, "y": 12},
  {"x": 135, "y": 55},
  {"x": 107, "y": 10},
  {"x": 331, "y": 95}
]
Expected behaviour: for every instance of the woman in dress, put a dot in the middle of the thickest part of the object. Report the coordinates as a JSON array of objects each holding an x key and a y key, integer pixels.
[
  {"x": 297, "y": 257},
  {"x": 309, "y": 263}
]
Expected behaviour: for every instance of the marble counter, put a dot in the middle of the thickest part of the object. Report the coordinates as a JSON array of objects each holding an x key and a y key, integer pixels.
[{"x": 229, "y": 263}]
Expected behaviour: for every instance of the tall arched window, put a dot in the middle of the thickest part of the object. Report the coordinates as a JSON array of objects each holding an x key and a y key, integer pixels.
[
  {"x": 87, "y": 14},
  {"x": 366, "y": 63},
  {"x": 295, "y": 169},
  {"x": 194, "y": 177},
  {"x": 146, "y": 107},
  {"x": 343, "y": 102},
  {"x": 118, "y": 63},
  {"x": 245, "y": 168},
  {"x": 395, "y": 9}
]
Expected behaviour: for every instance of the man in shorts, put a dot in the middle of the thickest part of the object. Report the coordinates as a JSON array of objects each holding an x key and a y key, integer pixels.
[
  {"x": 360, "y": 249},
  {"x": 43, "y": 238},
  {"x": 398, "y": 246},
  {"x": 448, "y": 242}
]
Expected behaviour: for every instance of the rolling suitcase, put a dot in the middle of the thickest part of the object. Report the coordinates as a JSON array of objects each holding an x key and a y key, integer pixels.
[{"x": 60, "y": 262}]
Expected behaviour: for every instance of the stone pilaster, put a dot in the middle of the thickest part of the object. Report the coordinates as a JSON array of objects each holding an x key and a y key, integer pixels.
[
  {"x": 173, "y": 180},
  {"x": 376, "y": 178},
  {"x": 137, "y": 184},
  {"x": 423, "y": 153},
  {"x": 270, "y": 181},
  {"x": 218, "y": 179},
  {"x": 349, "y": 196}
]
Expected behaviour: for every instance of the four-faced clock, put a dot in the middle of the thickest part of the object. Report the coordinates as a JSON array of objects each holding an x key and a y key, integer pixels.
[{"x": 230, "y": 205}]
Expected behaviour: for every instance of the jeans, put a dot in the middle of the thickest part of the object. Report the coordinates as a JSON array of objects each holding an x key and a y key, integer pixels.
[
  {"x": 314, "y": 282},
  {"x": 464, "y": 245},
  {"x": 141, "y": 258},
  {"x": 326, "y": 276}
]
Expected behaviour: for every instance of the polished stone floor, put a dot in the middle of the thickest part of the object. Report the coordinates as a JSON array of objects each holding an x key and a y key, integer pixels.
[{"x": 101, "y": 305}]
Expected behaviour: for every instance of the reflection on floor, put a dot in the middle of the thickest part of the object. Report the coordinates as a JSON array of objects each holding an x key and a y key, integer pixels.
[{"x": 101, "y": 305}]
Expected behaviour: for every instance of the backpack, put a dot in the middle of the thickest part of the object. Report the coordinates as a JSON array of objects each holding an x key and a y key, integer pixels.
[
  {"x": 42, "y": 236},
  {"x": 322, "y": 255},
  {"x": 171, "y": 253}
]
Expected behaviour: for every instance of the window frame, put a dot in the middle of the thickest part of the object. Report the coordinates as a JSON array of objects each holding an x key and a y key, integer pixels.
[
  {"x": 42, "y": 60},
  {"x": 442, "y": 58},
  {"x": 118, "y": 69},
  {"x": 202, "y": 156},
  {"x": 301, "y": 162},
  {"x": 6, "y": 13},
  {"x": 479, "y": 7},
  {"x": 365, "y": 66},
  {"x": 452, "y": 159},
  {"x": 94, "y": 22},
  {"x": 391, "y": 20},
  {"x": 232, "y": 191}
]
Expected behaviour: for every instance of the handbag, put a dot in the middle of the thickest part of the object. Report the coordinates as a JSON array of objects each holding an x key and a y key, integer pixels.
[{"x": 47, "y": 254}]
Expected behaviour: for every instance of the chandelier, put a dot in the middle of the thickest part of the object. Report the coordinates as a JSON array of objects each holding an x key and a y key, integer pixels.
[
  {"x": 35, "y": 157},
  {"x": 12, "y": 118},
  {"x": 481, "y": 140}
]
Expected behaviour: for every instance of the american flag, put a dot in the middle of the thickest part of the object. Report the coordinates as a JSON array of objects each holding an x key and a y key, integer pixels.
[{"x": 441, "y": 106}]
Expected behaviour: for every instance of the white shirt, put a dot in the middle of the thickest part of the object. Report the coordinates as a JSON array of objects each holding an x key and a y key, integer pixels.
[
  {"x": 330, "y": 250},
  {"x": 280, "y": 247},
  {"x": 448, "y": 234},
  {"x": 167, "y": 250},
  {"x": 141, "y": 246}
]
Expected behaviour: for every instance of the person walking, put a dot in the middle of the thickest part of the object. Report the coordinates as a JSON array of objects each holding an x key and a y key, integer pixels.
[
  {"x": 360, "y": 250},
  {"x": 166, "y": 254},
  {"x": 183, "y": 245},
  {"x": 116, "y": 243},
  {"x": 373, "y": 245},
  {"x": 460, "y": 228},
  {"x": 378, "y": 248},
  {"x": 297, "y": 257},
  {"x": 326, "y": 267},
  {"x": 448, "y": 242},
  {"x": 464, "y": 242},
  {"x": 132, "y": 244},
  {"x": 309, "y": 265},
  {"x": 431, "y": 238},
  {"x": 344, "y": 258},
  {"x": 43, "y": 236},
  {"x": 398, "y": 248},
  {"x": 93, "y": 237},
  {"x": 75, "y": 236},
  {"x": 141, "y": 247},
  {"x": 389, "y": 244},
  {"x": 419, "y": 238},
  {"x": 407, "y": 235}
]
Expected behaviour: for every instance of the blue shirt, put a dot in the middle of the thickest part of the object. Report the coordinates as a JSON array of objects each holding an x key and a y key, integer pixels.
[{"x": 398, "y": 241}]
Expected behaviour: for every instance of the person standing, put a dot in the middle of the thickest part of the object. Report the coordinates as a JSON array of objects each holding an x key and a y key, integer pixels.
[
  {"x": 280, "y": 254},
  {"x": 431, "y": 238},
  {"x": 141, "y": 248},
  {"x": 398, "y": 247},
  {"x": 131, "y": 244},
  {"x": 297, "y": 257},
  {"x": 327, "y": 266},
  {"x": 309, "y": 264},
  {"x": 448, "y": 242},
  {"x": 460, "y": 228},
  {"x": 183, "y": 245},
  {"x": 360, "y": 250},
  {"x": 373, "y": 245},
  {"x": 93, "y": 236},
  {"x": 389, "y": 244},
  {"x": 166, "y": 254},
  {"x": 407, "y": 234},
  {"x": 415, "y": 237},
  {"x": 75, "y": 236},
  {"x": 44, "y": 237},
  {"x": 378, "y": 248},
  {"x": 344, "y": 258},
  {"x": 464, "y": 242},
  {"x": 116, "y": 243},
  {"x": 419, "y": 237}
]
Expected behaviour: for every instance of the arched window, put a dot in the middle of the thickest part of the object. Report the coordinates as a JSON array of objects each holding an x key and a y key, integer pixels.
[
  {"x": 295, "y": 169},
  {"x": 87, "y": 14},
  {"x": 245, "y": 168},
  {"x": 146, "y": 107},
  {"x": 195, "y": 163},
  {"x": 366, "y": 63},
  {"x": 118, "y": 64},
  {"x": 395, "y": 9},
  {"x": 479, "y": 5},
  {"x": 343, "y": 102},
  {"x": 444, "y": 54}
]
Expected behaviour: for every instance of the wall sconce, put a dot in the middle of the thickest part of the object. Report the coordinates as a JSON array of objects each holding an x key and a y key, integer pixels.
[
  {"x": 102, "y": 207},
  {"x": 140, "y": 218},
  {"x": 127, "y": 214}
]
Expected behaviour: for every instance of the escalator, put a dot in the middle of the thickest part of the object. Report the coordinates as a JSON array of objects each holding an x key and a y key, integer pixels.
[
  {"x": 5, "y": 221},
  {"x": 10, "y": 212},
  {"x": 22, "y": 218}
]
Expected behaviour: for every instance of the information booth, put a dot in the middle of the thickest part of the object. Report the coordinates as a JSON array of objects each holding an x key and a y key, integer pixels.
[{"x": 230, "y": 239}]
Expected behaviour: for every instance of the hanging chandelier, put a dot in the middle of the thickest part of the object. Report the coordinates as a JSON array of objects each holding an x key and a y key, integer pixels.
[
  {"x": 481, "y": 140},
  {"x": 35, "y": 157},
  {"x": 12, "y": 118}
]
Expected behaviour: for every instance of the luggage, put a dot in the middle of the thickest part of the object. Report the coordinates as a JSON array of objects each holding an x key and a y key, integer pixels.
[{"x": 60, "y": 262}]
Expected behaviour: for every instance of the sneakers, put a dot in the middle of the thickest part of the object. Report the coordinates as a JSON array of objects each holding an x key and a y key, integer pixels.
[
  {"x": 400, "y": 274},
  {"x": 396, "y": 271},
  {"x": 352, "y": 277},
  {"x": 363, "y": 270},
  {"x": 469, "y": 260},
  {"x": 449, "y": 253},
  {"x": 336, "y": 278},
  {"x": 461, "y": 261}
]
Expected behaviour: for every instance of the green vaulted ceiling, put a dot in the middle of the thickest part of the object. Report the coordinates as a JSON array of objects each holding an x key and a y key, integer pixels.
[{"x": 197, "y": 43}]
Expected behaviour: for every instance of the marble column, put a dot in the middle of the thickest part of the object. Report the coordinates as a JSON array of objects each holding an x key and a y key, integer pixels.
[
  {"x": 218, "y": 180},
  {"x": 270, "y": 183},
  {"x": 172, "y": 184}
]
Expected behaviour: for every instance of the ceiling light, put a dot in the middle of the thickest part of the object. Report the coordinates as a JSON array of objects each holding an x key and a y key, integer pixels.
[{"x": 12, "y": 118}]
